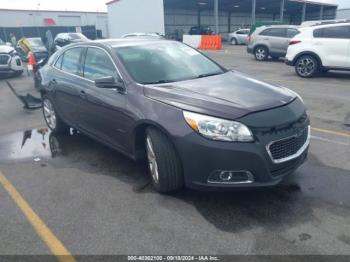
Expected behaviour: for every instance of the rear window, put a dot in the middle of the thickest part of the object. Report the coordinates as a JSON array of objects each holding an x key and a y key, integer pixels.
[
  {"x": 338, "y": 32},
  {"x": 277, "y": 32}
]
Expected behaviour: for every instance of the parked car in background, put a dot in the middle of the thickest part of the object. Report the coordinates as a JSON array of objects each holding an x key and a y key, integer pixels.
[
  {"x": 197, "y": 123},
  {"x": 34, "y": 45},
  {"x": 239, "y": 37},
  {"x": 200, "y": 30},
  {"x": 143, "y": 36},
  {"x": 320, "y": 48},
  {"x": 271, "y": 41},
  {"x": 64, "y": 39},
  {"x": 10, "y": 62}
]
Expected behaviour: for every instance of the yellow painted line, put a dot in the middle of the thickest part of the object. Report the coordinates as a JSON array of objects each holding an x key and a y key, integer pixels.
[
  {"x": 326, "y": 131},
  {"x": 53, "y": 243}
]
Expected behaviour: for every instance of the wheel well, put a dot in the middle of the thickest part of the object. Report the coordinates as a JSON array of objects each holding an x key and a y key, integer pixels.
[
  {"x": 261, "y": 46},
  {"x": 139, "y": 138},
  {"x": 310, "y": 54},
  {"x": 42, "y": 92}
]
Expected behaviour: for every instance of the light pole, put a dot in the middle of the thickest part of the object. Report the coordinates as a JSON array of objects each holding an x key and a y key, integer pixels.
[{"x": 36, "y": 14}]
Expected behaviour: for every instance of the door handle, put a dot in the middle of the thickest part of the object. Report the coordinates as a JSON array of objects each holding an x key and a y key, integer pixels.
[{"x": 82, "y": 94}]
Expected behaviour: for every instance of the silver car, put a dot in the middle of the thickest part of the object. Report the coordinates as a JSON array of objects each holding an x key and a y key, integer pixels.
[
  {"x": 239, "y": 37},
  {"x": 271, "y": 41}
]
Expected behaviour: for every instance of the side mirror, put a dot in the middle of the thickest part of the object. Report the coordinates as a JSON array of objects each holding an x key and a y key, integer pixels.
[{"x": 109, "y": 82}]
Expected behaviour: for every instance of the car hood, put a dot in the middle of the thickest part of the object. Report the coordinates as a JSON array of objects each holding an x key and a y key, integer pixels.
[
  {"x": 6, "y": 49},
  {"x": 230, "y": 95}
]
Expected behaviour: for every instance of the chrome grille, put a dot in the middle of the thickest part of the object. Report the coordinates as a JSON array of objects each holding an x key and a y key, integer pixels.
[
  {"x": 289, "y": 148},
  {"x": 4, "y": 59}
]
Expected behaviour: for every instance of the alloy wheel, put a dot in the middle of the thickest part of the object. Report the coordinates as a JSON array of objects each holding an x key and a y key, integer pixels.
[
  {"x": 152, "y": 161},
  {"x": 49, "y": 114},
  {"x": 306, "y": 67},
  {"x": 260, "y": 53}
]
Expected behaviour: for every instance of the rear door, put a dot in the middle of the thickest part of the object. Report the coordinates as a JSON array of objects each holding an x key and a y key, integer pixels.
[
  {"x": 277, "y": 40},
  {"x": 333, "y": 45},
  {"x": 66, "y": 83},
  {"x": 242, "y": 36}
]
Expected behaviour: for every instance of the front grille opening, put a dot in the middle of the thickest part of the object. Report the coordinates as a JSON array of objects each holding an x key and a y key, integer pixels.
[
  {"x": 4, "y": 59},
  {"x": 288, "y": 147}
]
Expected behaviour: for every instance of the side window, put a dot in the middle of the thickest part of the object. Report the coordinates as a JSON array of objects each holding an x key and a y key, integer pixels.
[
  {"x": 340, "y": 32},
  {"x": 318, "y": 33},
  {"x": 276, "y": 32},
  {"x": 58, "y": 63},
  {"x": 71, "y": 61},
  {"x": 292, "y": 32},
  {"x": 240, "y": 33},
  {"x": 98, "y": 64}
]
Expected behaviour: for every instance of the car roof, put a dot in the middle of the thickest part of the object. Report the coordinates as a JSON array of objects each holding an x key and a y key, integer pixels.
[
  {"x": 122, "y": 42},
  {"x": 281, "y": 26},
  {"x": 329, "y": 25}
]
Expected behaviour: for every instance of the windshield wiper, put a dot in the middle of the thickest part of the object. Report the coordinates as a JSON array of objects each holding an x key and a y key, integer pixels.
[
  {"x": 157, "y": 82},
  {"x": 209, "y": 74}
]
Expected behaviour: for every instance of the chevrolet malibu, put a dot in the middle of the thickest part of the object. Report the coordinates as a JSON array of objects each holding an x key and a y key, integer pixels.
[{"x": 196, "y": 123}]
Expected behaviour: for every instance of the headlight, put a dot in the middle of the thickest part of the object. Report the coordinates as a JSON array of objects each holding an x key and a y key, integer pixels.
[{"x": 218, "y": 129}]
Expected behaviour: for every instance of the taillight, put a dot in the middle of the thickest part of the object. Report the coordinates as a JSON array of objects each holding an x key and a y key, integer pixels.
[
  {"x": 294, "y": 42},
  {"x": 249, "y": 38}
]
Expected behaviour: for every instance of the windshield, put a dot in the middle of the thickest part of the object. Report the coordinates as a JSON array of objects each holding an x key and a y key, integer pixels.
[
  {"x": 35, "y": 42},
  {"x": 165, "y": 62}
]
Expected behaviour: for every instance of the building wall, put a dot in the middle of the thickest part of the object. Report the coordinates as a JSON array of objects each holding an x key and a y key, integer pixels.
[
  {"x": 130, "y": 16},
  {"x": 181, "y": 19},
  {"x": 343, "y": 14},
  {"x": 21, "y": 18}
]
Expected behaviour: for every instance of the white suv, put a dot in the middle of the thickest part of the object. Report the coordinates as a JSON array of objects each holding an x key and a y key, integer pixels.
[{"x": 319, "y": 49}]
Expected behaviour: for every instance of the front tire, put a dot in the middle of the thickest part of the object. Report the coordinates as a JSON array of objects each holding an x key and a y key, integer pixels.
[
  {"x": 163, "y": 162},
  {"x": 307, "y": 66},
  {"x": 261, "y": 53},
  {"x": 53, "y": 121},
  {"x": 234, "y": 41}
]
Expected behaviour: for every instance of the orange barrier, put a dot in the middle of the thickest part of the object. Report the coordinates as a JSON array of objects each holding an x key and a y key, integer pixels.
[{"x": 211, "y": 42}]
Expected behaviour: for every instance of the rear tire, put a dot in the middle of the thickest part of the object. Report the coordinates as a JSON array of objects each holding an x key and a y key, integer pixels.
[
  {"x": 307, "y": 66},
  {"x": 261, "y": 53},
  {"x": 163, "y": 161},
  {"x": 53, "y": 121}
]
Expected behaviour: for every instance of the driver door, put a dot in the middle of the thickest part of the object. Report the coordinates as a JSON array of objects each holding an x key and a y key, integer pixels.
[{"x": 103, "y": 110}]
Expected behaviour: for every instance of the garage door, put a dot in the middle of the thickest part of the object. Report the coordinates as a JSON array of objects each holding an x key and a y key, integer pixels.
[{"x": 69, "y": 20}]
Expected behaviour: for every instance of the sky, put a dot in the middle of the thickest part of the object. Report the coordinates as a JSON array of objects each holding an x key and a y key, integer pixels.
[{"x": 83, "y": 5}]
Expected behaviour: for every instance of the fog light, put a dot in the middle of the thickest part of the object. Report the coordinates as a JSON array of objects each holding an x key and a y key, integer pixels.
[
  {"x": 225, "y": 176},
  {"x": 231, "y": 177}
]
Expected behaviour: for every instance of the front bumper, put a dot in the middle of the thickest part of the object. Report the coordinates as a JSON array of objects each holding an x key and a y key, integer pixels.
[
  {"x": 13, "y": 66},
  {"x": 201, "y": 157}
]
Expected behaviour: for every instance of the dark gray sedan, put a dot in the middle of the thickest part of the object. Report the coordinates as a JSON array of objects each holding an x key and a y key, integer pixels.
[{"x": 198, "y": 124}]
